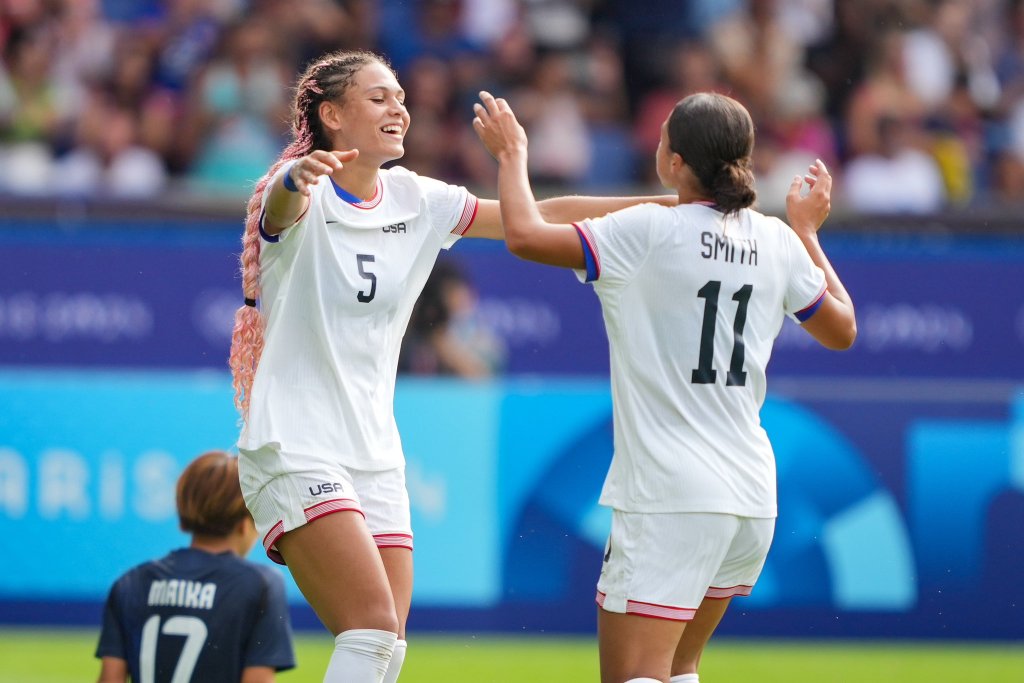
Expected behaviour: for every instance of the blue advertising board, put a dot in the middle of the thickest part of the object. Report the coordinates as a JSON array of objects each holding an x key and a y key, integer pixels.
[
  {"x": 897, "y": 530},
  {"x": 933, "y": 308}
]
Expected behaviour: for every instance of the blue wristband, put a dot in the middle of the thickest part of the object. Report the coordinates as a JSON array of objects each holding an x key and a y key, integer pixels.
[{"x": 288, "y": 183}]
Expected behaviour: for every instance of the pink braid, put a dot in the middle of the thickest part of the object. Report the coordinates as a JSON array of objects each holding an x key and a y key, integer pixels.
[{"x": 325, "y": 79}]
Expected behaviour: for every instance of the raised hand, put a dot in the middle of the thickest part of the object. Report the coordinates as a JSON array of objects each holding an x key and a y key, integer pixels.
[
  {"x": 808, "y": 212},
  {"x": 497, "y": 127},
  {"x": 309, "y": 169}
]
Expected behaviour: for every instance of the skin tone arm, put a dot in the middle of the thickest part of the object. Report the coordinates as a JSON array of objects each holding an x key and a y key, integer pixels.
[
  {"x": 834, "y": 324},
  {"x": 284, "y": 207},
  {"x": 113, "y": 670},
  {"x": 489, "y": 225},
  {"x": 257, "y": 674},
  {"x": 528, "y": 234}
]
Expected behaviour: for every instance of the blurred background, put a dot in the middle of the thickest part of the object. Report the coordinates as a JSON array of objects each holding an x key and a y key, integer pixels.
[{"x": 133, "y": 131}]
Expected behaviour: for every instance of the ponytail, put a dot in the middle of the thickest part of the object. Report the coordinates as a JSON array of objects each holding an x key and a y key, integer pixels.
[{"x": 732, "y": 188}]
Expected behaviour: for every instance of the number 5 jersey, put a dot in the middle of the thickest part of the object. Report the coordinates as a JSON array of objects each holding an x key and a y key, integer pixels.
[{"x": 338, "y": 288}]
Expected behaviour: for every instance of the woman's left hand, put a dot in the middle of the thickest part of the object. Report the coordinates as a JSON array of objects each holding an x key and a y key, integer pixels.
[{"x": 497, "y": 127}]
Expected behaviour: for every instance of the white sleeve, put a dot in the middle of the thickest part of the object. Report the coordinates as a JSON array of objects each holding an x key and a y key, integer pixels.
[
  {"x": 616, "y": 245},
  {"x": 283, "y": 235},
  {"x": 451, "y": 208},
  {"x": 806, "y": 287}
]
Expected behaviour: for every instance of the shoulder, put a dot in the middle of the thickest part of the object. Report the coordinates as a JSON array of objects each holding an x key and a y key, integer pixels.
[{"x": 402, "y": 178}]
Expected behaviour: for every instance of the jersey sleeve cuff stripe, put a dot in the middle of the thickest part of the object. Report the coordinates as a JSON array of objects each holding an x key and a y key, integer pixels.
[
  {"x": 468, "y": 216},
  {"x": 267, "y": 237},
  {"x": 263, "y": 233},
  {"x": 804, "y": 314},
  {"x": 722, "y": 593},
  {"x": 590, "y": 253}
]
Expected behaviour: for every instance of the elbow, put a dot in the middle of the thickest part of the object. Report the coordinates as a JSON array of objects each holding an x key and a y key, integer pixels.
[
  {"x": 843, "y": 339},
  {"x": 515, "y": 242}
]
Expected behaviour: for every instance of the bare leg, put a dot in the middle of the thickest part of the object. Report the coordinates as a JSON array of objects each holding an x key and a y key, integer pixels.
[
  {"x": 698, "y": 632},
  {"x": 398, "y": 564},
  {"x": 336, "y": 565},
  {"x": 632, "y": 646}
]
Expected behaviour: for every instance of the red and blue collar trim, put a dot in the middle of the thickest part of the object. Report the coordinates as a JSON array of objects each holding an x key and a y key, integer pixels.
[{"x": 349, "y": 198}]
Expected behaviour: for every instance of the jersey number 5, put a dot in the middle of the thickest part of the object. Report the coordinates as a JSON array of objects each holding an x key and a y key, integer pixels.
[
  {"x": 194, "y": 632},
  {"x": 705, "y": 373},
  {"x": 361, "y": 261}
]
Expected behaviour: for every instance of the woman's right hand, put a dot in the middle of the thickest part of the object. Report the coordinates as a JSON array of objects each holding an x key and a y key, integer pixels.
[
  {"x": 308, "y": 169},
  {"x": 807, "y": 213}
]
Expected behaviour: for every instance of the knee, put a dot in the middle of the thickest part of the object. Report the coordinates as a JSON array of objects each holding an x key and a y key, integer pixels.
[{"x": 376, "y": 617}]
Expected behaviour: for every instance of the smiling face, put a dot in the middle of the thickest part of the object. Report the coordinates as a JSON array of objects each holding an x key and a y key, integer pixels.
[{"x": 370, "y": 116}]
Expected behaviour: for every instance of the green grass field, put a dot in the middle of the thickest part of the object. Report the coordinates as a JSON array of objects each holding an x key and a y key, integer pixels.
[{"x": 65, "y": 656}]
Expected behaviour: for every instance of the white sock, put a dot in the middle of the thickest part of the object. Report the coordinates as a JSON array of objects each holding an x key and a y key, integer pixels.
[
  {"x": 397, "y": 659},
  {"x": 684, "y": 678},
  {"x": 361, "y": 655},
  {"x": 643, "y": 680}
]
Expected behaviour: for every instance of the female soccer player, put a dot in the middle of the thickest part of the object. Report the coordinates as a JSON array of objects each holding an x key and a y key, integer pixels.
[
  {"x": 336, "y": 250},
  {"x": 693, "y": 297},
  {"x": 201, "y": 613}
]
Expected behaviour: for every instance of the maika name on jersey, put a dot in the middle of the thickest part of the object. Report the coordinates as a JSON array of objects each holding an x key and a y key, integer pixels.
[
  {"x": 183, "y": 593},
  {"x": 728, "y": 249}
]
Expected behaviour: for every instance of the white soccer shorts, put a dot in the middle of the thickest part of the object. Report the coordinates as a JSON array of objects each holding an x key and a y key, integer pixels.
[
  {"x": 663, "y": 564},
  {"x": 283, "y": 492}
]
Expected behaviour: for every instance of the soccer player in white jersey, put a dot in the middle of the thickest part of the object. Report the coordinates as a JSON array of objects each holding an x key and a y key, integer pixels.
[
  {"x": 693, "y": 297},
  {"x": 336, "y": 251}
]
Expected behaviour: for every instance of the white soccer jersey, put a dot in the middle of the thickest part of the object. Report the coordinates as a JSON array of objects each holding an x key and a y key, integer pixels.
[
  {"x": 338, "y": 288},
  {"x": 692, "y": 302}
]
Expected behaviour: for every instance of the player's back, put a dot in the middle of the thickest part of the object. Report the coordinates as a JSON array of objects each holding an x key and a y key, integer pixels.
[
  {"x": 189, "y": 616},
  {"x": 692, "y": 308}
]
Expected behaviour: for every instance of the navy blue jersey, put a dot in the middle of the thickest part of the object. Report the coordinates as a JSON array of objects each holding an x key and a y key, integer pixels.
[{"x": 201, "y": 615}]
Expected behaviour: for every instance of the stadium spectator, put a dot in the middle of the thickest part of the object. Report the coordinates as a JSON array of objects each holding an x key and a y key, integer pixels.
[
  {"x": 692, "y": 479},
  {"x": 898, "y": 178},
  {"x": 959, "y": 60},
  {"x": 446, "y": 335},
  {"x": 201, "y": 613},
  {"x": 238, "y": 109},
  {"x": 337, "y": 250}
]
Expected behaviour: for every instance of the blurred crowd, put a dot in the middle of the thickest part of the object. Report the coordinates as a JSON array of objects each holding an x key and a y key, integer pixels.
[{"x": 916, "y": 105}]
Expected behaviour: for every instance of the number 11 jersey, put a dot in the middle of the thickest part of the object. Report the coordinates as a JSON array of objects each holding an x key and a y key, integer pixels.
[{"x": 692, "y": 302}]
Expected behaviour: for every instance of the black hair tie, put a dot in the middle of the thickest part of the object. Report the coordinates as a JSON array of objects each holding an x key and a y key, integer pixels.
[{"x": 250, "y": 302}]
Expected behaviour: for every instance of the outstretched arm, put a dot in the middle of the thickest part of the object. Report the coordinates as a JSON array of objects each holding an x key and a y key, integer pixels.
[
  {"x": 289, "y": 195},
  {"x": 496, "y": 125},
  {"x": 528, "y": 234},
  {"x": 834, "y": 324}
]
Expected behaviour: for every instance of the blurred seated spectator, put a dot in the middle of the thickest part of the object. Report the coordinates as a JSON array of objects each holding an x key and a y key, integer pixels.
[
  {"x": 409, "y": 30},
  {"x": 85, "y": 44},
  {"x": 790, "y": 141},
  {"x": 690, "y": 67},
  {"x": 550, "y": 107},
  {"x": 34, "y": 111},
  {"x": 900, "y": 178},
  {"x": 446, "y": 335},
  {"x": 884, "y": 94},
  {"x": 613, "y": 159},
  {"x": 107, "y": 158},
  {"x": 238, "y": 111}
]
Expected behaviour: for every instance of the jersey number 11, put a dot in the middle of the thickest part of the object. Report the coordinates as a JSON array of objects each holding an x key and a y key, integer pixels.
[{"x": 705, "y": 373}]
